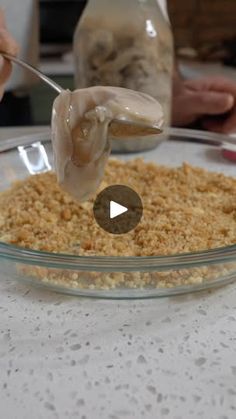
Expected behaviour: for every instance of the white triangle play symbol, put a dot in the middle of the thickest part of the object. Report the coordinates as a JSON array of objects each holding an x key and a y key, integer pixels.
[{"x": 116, "y": 209}]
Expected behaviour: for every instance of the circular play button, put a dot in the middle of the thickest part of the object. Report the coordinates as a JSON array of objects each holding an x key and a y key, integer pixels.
[{"x": 118, "y": 209}]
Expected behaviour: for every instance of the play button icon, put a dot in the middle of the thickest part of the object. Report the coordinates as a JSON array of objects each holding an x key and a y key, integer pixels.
[{"x": 118, "y": 209}]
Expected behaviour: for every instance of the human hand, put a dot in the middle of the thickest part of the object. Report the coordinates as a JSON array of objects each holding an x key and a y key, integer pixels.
[
  {"x": 210, "y": 101},
  {"x": 9, "y": 45}
]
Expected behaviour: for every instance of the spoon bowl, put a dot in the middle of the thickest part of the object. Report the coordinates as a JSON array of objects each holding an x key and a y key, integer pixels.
[{"x": 132, "y": 128}]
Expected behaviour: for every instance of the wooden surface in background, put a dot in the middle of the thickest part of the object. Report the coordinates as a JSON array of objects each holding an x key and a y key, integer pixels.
[{"x": 199, "y": 22}]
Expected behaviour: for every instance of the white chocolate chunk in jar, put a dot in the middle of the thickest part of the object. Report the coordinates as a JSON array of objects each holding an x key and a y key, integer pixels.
[{"x": 80, "y": 124}]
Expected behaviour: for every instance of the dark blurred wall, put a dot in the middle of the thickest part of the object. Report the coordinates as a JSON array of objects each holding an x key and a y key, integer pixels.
[
  {"x": 58, "y": 19},
  {"x": 200, "y": 22}
]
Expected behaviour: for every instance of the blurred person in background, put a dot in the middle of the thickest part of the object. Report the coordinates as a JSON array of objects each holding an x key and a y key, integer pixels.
[
  {"x": 21, "y": 19},
  {"x": 9, "y": 45},
  {"x": 209, "y": 101}
]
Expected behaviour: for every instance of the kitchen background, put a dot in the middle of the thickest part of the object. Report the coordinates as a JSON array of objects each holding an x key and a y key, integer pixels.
[
  {"x": 56, "y": 37},
  {"x": 204, "y": 30}
]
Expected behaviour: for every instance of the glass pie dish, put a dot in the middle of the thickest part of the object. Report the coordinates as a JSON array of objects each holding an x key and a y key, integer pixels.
[{"x": 81, "y": 275}]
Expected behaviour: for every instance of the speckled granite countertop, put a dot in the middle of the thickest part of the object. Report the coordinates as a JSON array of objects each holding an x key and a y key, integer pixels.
[{"x": 66, "y": 357}]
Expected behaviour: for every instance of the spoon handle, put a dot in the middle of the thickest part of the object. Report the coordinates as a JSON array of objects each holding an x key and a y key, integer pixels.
[{"x": 34, "y": 70}]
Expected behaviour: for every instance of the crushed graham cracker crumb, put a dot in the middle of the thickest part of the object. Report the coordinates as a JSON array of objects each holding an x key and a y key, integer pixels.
[{"x": 186, "y": 209}]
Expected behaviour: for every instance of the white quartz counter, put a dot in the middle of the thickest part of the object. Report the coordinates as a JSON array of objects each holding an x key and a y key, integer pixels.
[{"x": 65, "y": 357}]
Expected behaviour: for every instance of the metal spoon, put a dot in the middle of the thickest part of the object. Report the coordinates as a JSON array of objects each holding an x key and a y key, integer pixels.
[
  {"x": 131, "y": 127},
  {"x": 34, "y": 70}
]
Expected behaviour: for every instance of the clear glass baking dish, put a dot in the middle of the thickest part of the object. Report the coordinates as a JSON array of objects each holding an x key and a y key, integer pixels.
[{"x": 32, "y": 154}]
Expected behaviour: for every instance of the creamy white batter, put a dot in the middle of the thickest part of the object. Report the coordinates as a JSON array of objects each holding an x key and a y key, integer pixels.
[{"x": 80, "y": 127}]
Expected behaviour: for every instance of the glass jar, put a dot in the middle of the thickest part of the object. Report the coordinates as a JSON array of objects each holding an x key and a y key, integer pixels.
[{"x": 126, "y": 44}]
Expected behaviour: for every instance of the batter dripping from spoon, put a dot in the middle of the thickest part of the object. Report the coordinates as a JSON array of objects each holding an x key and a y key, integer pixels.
[{"x": 81, "y": 121}]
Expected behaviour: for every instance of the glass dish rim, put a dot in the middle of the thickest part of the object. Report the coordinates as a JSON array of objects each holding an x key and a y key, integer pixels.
[{"x": 118, "y": 263}]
